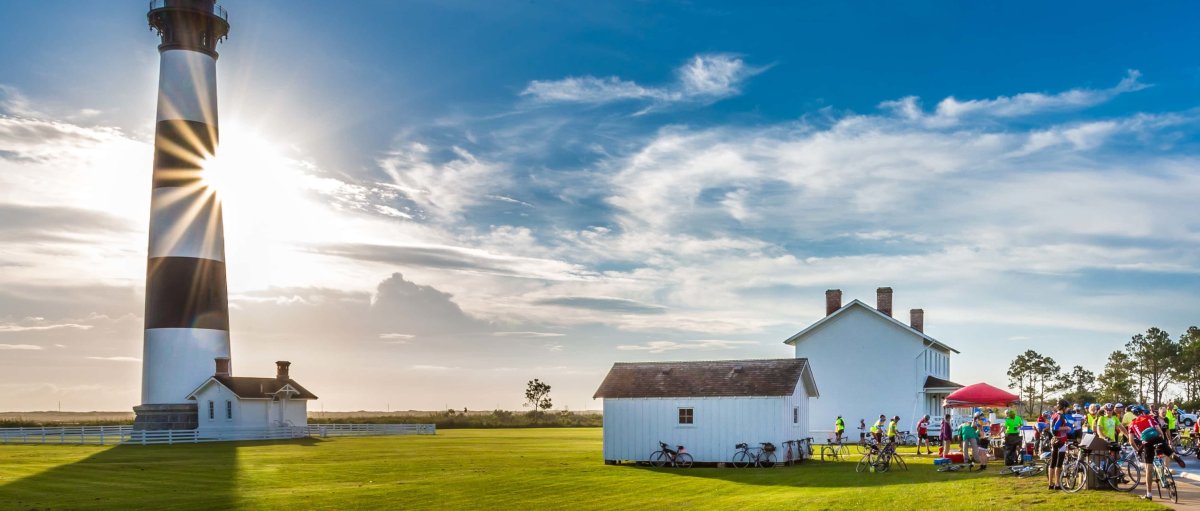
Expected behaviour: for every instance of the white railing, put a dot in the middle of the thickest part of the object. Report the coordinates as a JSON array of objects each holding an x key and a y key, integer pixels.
[{"x": 106, "y": 435}]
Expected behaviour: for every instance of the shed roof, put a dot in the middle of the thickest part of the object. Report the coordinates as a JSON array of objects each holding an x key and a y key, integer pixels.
[
  {"x": 712, "y": 378},
  {"x": 247, "y": 387}
]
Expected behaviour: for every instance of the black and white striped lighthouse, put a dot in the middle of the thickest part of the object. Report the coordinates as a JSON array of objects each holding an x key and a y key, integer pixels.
[{"x": 187, "y": 311}]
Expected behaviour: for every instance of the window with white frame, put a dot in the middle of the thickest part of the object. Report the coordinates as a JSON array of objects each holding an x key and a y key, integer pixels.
[
  {"x": 229, "y": 410},
  {"x": 211, "y": 412},
  {"x": 795, "y": 415},
  {"x": 687, "y": 416}
]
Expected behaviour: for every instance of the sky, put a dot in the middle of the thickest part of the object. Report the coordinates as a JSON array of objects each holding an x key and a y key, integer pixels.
[{"x": 429, "y": 203}]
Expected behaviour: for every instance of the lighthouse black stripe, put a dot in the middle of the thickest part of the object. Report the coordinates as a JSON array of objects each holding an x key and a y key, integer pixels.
[
  {"x": 186, "y": 292},
  {"x": 180, "y": 148}
]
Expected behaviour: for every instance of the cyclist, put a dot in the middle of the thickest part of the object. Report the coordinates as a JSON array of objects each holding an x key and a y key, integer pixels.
[
  {"x": 946, "y": 435},
  {"x": 1093, "y": 412},
  {"x": 1060, "y": 429},
  {"x": 891, "y": 430},
  {"x": 839, "y": 428},
  {"x": 1149, "y": 437},
  {"x": 922, "y": 435},
  {"x": 1012, "y": 437},
  {"x": 1169, "y": 412},
  {"x": 969, "y": 432},
  {"x": 1119, "y": 413},
  {"x": 877, "y": 429},
  {"x": 1108, "y": 425},
  {"x": 862, "y": 430}
]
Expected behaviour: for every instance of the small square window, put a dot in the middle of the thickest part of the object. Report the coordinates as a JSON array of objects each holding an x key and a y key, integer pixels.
[{"x": 686, "y": 416}]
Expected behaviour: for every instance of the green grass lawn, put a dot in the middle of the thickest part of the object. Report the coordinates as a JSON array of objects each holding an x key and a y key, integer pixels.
[{"x": 491, "y": 469}]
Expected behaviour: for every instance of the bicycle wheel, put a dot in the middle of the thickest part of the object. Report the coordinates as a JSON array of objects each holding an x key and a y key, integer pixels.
[
  {"x": 864, "y": 464},
  {"x": 1036, "y": 468},
  {"x": 843, "y": 452},
  {"x": 1073, "y": 476},
  {"x": 684, "y": 460},
  {"x": 1117, "y": 478},
  {"x": 861, "y": 447},
  {"x": 658, "y": 459},
  {"x": 898, "y": 460},
  {"x": 828, "y": 453},
  {"x": 767, "y": 460},
  {"x": 883, "y": 464},
  {"x": 1186, "y": 446},
  {"x": 741, "y": 459},
  {"x": 1172, "y": 491}
]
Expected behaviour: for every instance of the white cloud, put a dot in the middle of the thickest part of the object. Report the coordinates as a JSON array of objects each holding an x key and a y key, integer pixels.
[
  {"x": 536, "y": 335},
  {"x": 703, "y": 78},
  {"x": 442, "y": 190},
  {"x": 116, "y": 359},
  {"x": 19, "y": 347},
  {"x": 665, "y": 346},
  {"x": 950, "y": 109},
  {"x": 12, "y": 327}
]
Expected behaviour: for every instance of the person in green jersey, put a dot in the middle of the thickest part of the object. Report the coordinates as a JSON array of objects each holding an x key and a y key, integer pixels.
[
  {"x": 839, "y": 427},
  {"x": 1012, "y": 437},
  {"x": 1108, "y": 426},
  {"x": 1172, "y": 415},
  {"x": 877, "y": 428},
  {"x": 1093, "y": 412},
  {"x": 970, "y": 442}
]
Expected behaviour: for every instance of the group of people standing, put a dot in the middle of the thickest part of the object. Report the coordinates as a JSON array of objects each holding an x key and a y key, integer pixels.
[{"x": 1151, "y": 433}]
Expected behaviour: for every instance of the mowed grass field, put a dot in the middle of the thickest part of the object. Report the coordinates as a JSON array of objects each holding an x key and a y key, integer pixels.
[{"x": 480, "y": 469}]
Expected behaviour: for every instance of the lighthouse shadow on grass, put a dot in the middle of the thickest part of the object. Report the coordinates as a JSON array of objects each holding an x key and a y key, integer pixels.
[{"x": 133, "y": 477}]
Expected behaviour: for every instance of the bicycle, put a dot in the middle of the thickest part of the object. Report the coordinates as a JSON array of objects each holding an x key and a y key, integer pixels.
[
  {"x": 804, "y": 448},
  {"x": 891, "y": 457},
  {"x": 834, "y": 452},
  {"x": 1164, "y": 478},
  {"x": 906, "y": 438},
  {"x": 762, "y": 457},
  {"x": 1074, "y": 473},
  {"x": 1185, "y": 445},
  {"x": 1034, "y": 467},
  {"x": 665, "y": 455}
]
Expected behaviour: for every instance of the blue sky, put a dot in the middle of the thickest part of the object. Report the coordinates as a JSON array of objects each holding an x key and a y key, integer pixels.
[{"x": 557, "y": 186}]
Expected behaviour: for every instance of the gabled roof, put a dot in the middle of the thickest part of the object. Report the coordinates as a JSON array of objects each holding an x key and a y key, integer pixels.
[
  {"x": 713, "y": 378},
  {"x": 796, "y": 338},
  {"x": 257, "y": 388},
  {"x": 933, "y": 382}
]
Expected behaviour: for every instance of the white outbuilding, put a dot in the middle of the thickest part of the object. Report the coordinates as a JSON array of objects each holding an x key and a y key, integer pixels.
[
  {"x": 708, "y": 407},
  {"x": 226, "y": 402}
]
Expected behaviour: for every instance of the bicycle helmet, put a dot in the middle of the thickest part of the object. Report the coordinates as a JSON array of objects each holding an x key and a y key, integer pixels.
[
  {"x": 1137, "y": 410},
  {"x": 1108, "y": 406},
  {"x": 1118, "y": 405}
]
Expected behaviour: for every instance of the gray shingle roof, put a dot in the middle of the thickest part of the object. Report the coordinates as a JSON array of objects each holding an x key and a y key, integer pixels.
[
  {"x": 932, "y": 382},
  {"x": 714, "y": 378},
  {"x": 248, "y": 387}
]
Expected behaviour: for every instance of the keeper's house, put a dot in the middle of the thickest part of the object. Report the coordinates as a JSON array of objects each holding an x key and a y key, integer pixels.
[
  {"x": 227, "y": 402},
  {"x": 708, "y": 407},
  {"x": 887, "y": 367}
]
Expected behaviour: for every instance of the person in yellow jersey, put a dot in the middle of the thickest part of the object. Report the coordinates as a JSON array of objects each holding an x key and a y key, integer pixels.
[
  {"x": 1093, "y": 412},
  {"x": 877, "y": 428},
  {"x": 1172, "y": 414},
  {"x": 839, "y": 428},
  {"x": 891, "y": 430}
]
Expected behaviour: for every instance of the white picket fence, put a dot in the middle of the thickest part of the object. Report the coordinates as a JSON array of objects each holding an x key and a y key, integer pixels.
[{"x": 106, "y": 435}]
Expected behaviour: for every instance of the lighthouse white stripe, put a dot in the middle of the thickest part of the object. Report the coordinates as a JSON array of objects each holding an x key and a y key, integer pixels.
[
  {"x": 186, "y": 222},
  {"x": 177, "y": 360},
  {"x": 187, "y": 87}
]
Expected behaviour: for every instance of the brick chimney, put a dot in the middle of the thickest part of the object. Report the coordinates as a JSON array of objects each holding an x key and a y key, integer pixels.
[
  {"x": 916, "y": 319},
  {"x": 883, "y": 300},
  {"x": 281, "y": 369},
  {"x": 222, "y": 367},
  {"x": 833, "y": 301}
]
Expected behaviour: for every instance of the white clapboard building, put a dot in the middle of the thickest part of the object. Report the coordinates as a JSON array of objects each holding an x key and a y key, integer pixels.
[
  {"x": 884, "y": 366},
  {"x": 708, "y": 406},
  {"x": 225, "y": 401}
]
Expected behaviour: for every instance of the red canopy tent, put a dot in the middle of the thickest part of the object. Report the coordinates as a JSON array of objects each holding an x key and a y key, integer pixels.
[{"x": 980, "y": 395}]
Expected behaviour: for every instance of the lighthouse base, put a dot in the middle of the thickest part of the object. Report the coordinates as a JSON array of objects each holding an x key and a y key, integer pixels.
[{"x": 162, "y": 417}]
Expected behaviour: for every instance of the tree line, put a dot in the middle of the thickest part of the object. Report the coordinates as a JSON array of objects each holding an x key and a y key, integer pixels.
[{"x": 1141, "y": 373}]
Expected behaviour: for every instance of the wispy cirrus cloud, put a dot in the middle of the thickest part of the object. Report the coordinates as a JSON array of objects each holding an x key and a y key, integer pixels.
[
  {"x": 702, "y": 79},
  {"x": 702, "y": 345},
  {"x": 28, "y": 347},
  {"x": 951, "y": 109}
]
